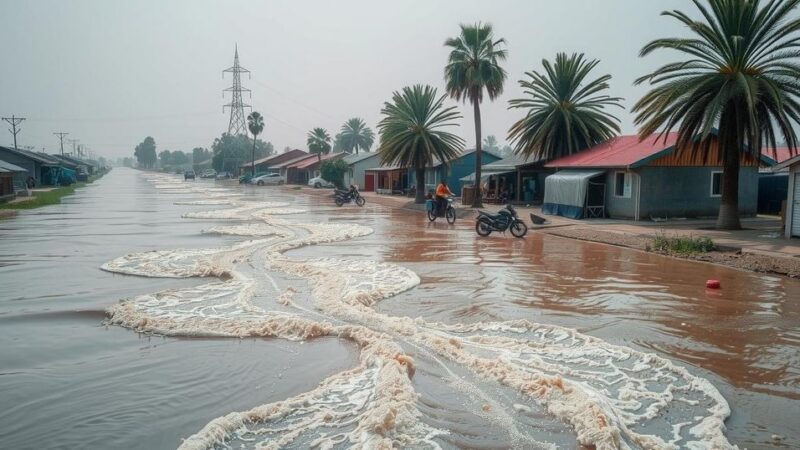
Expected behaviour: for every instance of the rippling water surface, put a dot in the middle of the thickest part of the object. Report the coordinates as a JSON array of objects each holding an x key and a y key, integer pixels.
[{"x": 221, "y": 309}]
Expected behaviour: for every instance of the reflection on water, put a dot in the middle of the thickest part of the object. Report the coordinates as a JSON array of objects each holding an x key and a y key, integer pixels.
[{"x": 744, "y": 338}]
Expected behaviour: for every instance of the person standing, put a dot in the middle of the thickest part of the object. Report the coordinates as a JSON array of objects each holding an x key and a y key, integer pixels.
[{"x": 30, "y": 183}]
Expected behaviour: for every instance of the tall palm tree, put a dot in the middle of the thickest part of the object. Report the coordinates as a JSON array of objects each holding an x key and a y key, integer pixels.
[
  {"x": 255, "y": 123},
  {"x": 411, "y": 132},
  {"x": 740, "y": 78},
  {"x": 564, "y": 110},
  {"x": 319, "y": 141},
  {"x": 472, "y": 67},
  {"x": 355, "y": 135}
]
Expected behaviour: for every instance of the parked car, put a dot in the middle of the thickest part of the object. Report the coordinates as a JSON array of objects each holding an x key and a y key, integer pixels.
[
  {"x": 188, "y": 175},
  {"x": 224, "y": 175},
  {"x": 319, "y": 182},
  {"x": 244, "y": 179},
  {"x": 208, "y": 173},
  {"x": 270, "y": 178}
]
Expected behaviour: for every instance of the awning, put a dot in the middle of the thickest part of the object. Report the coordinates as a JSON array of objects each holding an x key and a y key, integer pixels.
[
  {"x": 8, "y": 167},
  {"x": 565, "y": 192},
  {"x": 486, "y": 173},
  {"x": 385, "y": 169}
]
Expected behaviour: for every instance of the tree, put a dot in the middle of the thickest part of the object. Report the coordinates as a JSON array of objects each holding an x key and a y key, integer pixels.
[
  {"x": 564, "y": 110},
  {"x": 165, "y": 158},
  {"x": 472, "y": 67},
  {"x": 255, "y": 123},
  {"x": 355, "y": 135},
  {"x": 230, "y": 151},
  {"x": 200, "y": 154},
  {"x": 145, "y": 153},
  {"x": 338, "y": 143},
  {"x": 412, "y": 135},
  {"x": 179, "y": 158},
  {"x": 333, "y": 170},
  {"x": 506, "y": 151},
  {"x": 740, "y": 78},
  {"x": 490, "y": 144},
  {"x": 319, "y": 141}
]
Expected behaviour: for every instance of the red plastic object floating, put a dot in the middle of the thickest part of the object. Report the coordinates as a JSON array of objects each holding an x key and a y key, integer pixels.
[{"x": 712, "y": 284}]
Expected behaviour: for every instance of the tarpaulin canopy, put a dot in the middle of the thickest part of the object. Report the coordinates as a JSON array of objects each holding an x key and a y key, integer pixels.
[
  {"x": 565, "y": 192},
  {"x": 486, "y": 173}
]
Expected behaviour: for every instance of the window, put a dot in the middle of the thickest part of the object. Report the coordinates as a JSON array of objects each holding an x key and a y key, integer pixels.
[
  {"x": 622, "y": 184},
  {"x": 716, "y": 184}
]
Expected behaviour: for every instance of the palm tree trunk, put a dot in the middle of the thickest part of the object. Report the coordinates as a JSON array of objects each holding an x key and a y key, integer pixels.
[
  {"x": 420, "y": 174},
  {"x": 253, "y": 165},
  {"x": 477, "y": 202},
  {"x": 728, "y": 218}
]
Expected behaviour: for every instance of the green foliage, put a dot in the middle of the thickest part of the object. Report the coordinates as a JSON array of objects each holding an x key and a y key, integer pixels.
[
  {"x": 319, "y": 141},
  {"x": 230, "y": 152},
  {"x": 564, "y": 111},
  {"x": 683, "y": 245},
  {"x": 355, "y": 135},
  {"x": 490, "y": 144},
  {"x": 255, "y": 123},
  {"x": 738, "y": 75},
  {"x": 200, "y": 154},
  {"x": 172, "y": 159},
  {"x": 474, "y": 64},
  {"x": 145, "y": 153},
  {"x": 411, "y": 131},
  {"x": 334, "y": 170}
]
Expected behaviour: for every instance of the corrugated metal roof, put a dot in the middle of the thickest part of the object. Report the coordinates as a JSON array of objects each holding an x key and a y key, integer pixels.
[
  {"x": 619, "y": 152},
  {"x": 779, "y": 154},
  {"x": 311, "y": 161},
  {"x": 352, "y": 159},
  {"x": 8, "y": 167},
  {"x": 291, "y": 162}
]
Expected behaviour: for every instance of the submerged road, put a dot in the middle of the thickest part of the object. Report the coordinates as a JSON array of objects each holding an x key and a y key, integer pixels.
[{"x": 493, "y": 337}]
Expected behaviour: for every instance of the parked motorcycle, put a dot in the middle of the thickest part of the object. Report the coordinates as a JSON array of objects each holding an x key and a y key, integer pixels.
[
  {"x": 449, "y": 211},
  {"x": 505, "y": 219},
  {"x": 348, "y": 196}
]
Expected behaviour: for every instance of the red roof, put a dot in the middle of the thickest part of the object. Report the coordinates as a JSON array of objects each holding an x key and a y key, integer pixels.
[
  {"x": 780, "y": 154},
  {"x": 619, "y": 152},
  {"x": 313, "y": 159}
]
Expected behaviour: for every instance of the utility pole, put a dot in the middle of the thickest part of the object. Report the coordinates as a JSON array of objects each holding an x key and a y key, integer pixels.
[
  {"x": 14, "y": 121},
  {"x": 237, "y": 124},
  {"x": 73, "y": 142},
  {"x": 61, "y": 135}
]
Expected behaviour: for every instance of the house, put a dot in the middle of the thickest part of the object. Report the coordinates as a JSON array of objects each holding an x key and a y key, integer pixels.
[
  {"x": 357, "y": 175},
  {"x": 388, "y": 179},
  {"x": 792, "y": 217},
  {"x": 7, "y": 184},
  {"x": 522, "y": 179},
  {"x": 453, "y": 170},
  {"x": 263, "y": 164},
  {"x": 773, "y": 185},
  {"x": 43, "y": 168},
  {"x": 626, "y": 178},
  {"x": 302, "y": 171}
]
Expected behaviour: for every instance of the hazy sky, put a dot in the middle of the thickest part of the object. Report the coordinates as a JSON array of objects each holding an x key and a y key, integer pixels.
[{"x": 112, "y": 72}]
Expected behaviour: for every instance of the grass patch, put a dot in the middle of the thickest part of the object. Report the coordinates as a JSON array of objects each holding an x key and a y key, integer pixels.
[
  {"x": 50, "y": 197},
  {"x": 683, "y": 245}
]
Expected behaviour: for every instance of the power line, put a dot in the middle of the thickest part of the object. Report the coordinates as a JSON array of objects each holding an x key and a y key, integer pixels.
[
  {"x": 61, "y": 135},
  {"x": 14, "y": 121},
  {"x": 73, "y": 142}
]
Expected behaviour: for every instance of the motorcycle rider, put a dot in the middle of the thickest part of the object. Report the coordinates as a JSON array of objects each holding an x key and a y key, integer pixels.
[{"x": 442, "y": 192}]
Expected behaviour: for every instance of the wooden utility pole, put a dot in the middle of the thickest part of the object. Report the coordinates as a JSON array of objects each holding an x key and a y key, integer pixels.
[
  {"x": 14, "y": 121},
  {"x": 61, "y": 135}
]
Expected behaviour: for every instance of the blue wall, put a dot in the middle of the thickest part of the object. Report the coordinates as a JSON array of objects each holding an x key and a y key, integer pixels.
[{"x": 456, "y": 169}]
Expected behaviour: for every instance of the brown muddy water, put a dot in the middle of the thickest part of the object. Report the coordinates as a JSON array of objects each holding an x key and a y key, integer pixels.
[{"x": 257, "y": 295}]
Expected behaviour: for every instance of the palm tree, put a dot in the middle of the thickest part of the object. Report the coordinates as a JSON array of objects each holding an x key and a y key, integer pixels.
[
  {"x": 319, "y": 141},
  {"x": 255, "y": 123},
  {"x": 472, "y": 67},
  {"x": 740, "y": 78},
  {"x": 356, "y": 135},
  {"x": 411, "y": 133},
  {"x": 564, "y": 110},
  {"x": 490, "y": 144}
]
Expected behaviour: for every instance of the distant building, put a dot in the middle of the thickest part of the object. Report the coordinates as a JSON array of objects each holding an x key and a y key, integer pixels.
[
  {"x": 8, "y": 186},
  {"x": 302, "y": 171},
  {"x": 263, "y": 165},
  {"x": 453, "y": 170},
  {"x": 357, "y": 174},
  {"x": 42, "y": 167},
  {"x": 792, "y": 217},
  {"x": 626, "y": 178}
]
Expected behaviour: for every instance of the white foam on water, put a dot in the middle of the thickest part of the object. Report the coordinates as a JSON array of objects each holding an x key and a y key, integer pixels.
[{"x": 613, "y": 396}]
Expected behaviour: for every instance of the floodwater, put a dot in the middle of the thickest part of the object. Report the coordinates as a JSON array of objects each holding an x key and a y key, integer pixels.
[{"x": 146, "y": 312}]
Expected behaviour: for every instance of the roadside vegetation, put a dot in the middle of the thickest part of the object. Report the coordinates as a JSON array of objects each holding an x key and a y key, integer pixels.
[
  {"x": 682, "y": 245},
  {"x": 51, "y": 197}
]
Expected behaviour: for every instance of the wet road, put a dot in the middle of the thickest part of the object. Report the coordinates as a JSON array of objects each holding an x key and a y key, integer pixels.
[{"x": 68, "y": 381}]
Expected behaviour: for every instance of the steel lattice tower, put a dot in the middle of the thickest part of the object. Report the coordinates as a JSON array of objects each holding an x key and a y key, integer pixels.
[{"x": 238, "y": 124}]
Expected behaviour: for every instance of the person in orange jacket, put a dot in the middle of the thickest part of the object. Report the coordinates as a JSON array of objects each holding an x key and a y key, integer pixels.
[{"x": 442, "y": 192}]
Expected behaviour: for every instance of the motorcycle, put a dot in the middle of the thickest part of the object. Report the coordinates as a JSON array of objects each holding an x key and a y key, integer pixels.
[
  {"x": 348, "y": 196},
  {"x": 505, "y": 219},
  {"x": 449, "y": 211}
]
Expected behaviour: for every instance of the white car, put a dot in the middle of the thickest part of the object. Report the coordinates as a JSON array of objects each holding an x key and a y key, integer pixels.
[
  {"x": 319, "y": 182},
  {"x": 270, "y": 178}
]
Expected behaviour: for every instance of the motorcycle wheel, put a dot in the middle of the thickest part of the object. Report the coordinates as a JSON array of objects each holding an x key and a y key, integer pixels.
[
  {"x": 260, "y": 183},
  {"x": 450, "y": 215},
  {"x": 431, "y": 215},
  {"x": 483, "y": 227},
  {"x": 360, "y": 201},
  {"x": 317, "y": 185},
  {"x": 519, "y": 229},
  {"x": 339, "y": 201}
]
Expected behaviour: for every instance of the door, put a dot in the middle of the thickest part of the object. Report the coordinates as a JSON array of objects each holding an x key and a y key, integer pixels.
[
  {"x": 369, "y": 182},
  {"x": 796, "y": 206}
]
